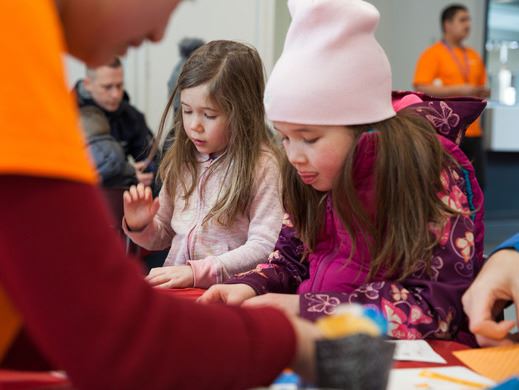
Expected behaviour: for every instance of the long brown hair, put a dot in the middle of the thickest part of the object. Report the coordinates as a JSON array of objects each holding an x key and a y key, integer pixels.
[
  {"x": 234, "y": 74},
  {"x": 408, "y": 166}
]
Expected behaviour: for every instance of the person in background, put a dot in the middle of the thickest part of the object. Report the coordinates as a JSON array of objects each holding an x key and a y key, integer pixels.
[
  {"x": 107, "y": 153},
  {"x": 220, "y": 206},
  {"x": 82, "y": 301},
  {"x": 383, "y": 209},
  {"x": 449, "y": 68},
  {"x": 185, "y": 47},
  {"x": 103, "y": 87},
  {"x": 495, "y": 286}
]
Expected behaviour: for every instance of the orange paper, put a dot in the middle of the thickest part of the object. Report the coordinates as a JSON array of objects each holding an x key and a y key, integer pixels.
[{"x": 497, "y": 363}]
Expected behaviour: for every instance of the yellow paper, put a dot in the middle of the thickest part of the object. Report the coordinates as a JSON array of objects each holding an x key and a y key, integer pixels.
[
  {"x": 497, "y": 363},
  {"x": 10, "y": 323}
]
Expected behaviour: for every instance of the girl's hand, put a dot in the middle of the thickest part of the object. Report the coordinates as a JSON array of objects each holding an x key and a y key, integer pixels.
[
  {"x": 139, "y": 207},
  {"x": 231, "y": 294},
  {"x": 179, "y": 276},
  {"x": 289, "y": 303}
]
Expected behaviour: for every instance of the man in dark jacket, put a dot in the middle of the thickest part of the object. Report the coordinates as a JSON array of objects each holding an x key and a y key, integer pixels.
[
  {"x": 103, "y": 87},
  {"x": 108, "y": 155}
]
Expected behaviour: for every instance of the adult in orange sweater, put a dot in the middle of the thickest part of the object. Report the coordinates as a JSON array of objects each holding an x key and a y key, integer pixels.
[
  {"x": 449, "y": 68},
  {"x": 87, "y": 306}
]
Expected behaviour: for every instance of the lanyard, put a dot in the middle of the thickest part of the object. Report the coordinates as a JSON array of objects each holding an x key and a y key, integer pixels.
[{"x": 463, "y": 68}]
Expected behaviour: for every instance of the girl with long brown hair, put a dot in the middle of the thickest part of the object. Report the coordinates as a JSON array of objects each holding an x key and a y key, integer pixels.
[
  {"x": 220, "y": 207},
  {"x": 384, "y": 208}
]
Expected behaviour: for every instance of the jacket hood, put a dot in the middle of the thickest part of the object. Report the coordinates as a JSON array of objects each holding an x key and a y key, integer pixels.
[{"x": 450, "y": 116}]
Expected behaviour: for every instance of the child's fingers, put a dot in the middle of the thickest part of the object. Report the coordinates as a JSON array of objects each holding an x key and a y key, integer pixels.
[
  {"x": 158, "y": 279},
  {"x": 141, "y": 190},
  {"x": 127, "y": 198},
  {"x": 133, "y": 192},
  {"x": 210, "y": 296},
  {"x": 154, "y": 272},
  {"x": 148, "y": 194},
  {"x": 168, "y": 284}
]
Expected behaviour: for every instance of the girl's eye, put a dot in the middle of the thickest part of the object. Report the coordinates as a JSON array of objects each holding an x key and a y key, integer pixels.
[
  {"x": 186, "y": 112},
  {"x": 210, "y": 116},
  {"x": 311, "y": 141}
]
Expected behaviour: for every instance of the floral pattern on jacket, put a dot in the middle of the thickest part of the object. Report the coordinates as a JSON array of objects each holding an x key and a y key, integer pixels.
[{"x": 423, "y": 305}]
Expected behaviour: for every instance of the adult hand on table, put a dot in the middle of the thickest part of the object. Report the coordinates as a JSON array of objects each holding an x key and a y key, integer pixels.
[
  {"x": 139, "y": 207},
  {"x": 175, "y": 276},
  {"x": 496, "y": 284}
]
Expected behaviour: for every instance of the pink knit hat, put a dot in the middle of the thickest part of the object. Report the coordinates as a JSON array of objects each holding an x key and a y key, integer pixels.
[{"x": 332, "y": 70}]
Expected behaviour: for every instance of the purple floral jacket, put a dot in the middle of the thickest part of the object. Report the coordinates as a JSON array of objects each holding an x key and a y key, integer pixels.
[{"x": 424, "y": 305}]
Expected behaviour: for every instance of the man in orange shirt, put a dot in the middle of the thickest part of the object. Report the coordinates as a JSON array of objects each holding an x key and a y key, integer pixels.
[
  {"x": 63, "y": 271},
  {"x": 448, "y": 68}
]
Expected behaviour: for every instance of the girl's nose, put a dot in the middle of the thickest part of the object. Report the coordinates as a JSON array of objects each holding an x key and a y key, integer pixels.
[
  {"x": 295, "y": 155},
  {"x": 196, "y": 125}
]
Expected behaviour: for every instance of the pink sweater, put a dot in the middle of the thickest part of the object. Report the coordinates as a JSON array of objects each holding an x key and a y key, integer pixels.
[{"x": 217, "y": 252}]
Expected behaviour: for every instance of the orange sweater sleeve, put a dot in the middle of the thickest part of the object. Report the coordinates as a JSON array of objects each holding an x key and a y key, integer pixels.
[{"x": 38, "y": 120}]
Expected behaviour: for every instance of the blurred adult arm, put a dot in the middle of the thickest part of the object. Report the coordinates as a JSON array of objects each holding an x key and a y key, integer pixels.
[
  {"x": 496, "y": 284},
  {"x": 91, "y": 312}
]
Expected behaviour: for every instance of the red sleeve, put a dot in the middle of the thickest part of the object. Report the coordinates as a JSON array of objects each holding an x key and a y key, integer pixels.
[{"x": 88, "y": 308}]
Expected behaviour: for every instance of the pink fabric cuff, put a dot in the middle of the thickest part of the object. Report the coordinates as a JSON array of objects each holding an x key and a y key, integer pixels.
[
  {"x": 407, "y": 100},
  {"x": 206, "y": 272}
]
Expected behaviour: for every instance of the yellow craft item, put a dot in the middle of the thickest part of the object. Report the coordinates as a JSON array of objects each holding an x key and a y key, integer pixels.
[{"x": 342, "y": 325}]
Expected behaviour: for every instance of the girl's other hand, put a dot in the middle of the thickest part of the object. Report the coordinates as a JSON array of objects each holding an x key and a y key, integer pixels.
[
  {"x": 289, "y": 303},
  {"x": 139, "y": 207},
  {"x": 231, "y": 294},
  {"x": 176, "y": 276}
]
